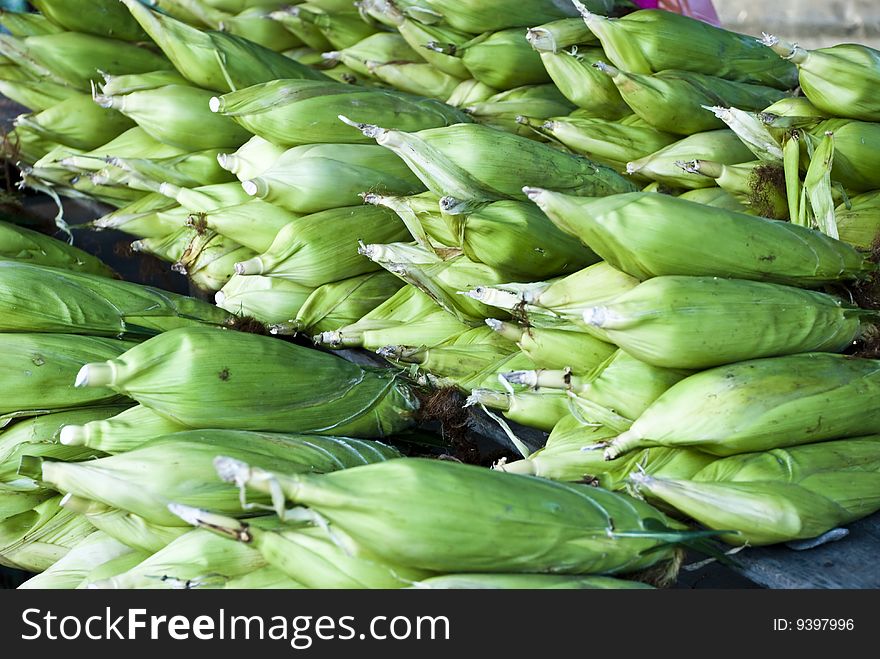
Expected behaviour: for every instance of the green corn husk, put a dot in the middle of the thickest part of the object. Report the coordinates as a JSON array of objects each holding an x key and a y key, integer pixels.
[
  {"x": 836, "y": 80},
  {"x": 560, "y": 34},
  {"x": 179, "y": 115},
  {"x": 273, "y": 397},
  {"x": 423, "y": 217},
  {"x": 209, "y": 260},
  {"x": 578, "y": 536},
  {"x": 133, "y": 143},
  {"x": 858, "y": 222},
  {"x": 251, "y": 159},
  {"x": 192, "y": 170},
  {"x": 754, "y": 133},
  {"x": 296, "y": 112},
  {"x": 561, "y": 303},
  {"x": 628, "y": 230},
  {"x": 504, "y": 109},
  {"x": 339, "y": 27},
  {"x": 14, "y": 501},
  {"x": 653, "y": 40},
  {"x": 264, "y": 578},
  {"x": 541, "y": 410},
  {"x": 198, "y": 559},
  {"x": 577, "y": 77},
  {"x": 77, "y": 122},
  {"x": 35, "y": 539},
  {"x": 103, "y": 18},
  {"x": 517, "y": 238},
  {"x": 340, "y": 303},
  {"x": 469, "y": 161},
  {"x": 311, "y": 556},
  {"x": 36, "y": 96},
  {"x": 663, "y": 321},
  {"x": 379, "y": 48},
  {"x": 71, "y": 570},
  {"x": 125, "y": 431},
  {"x": 126, "y": 527},
  {"x": 418, "y": 78},
  {"x": 270, "y": 300},
  {"x": 672, "y": 100},
  {"x": 179, "y": 468},
  {"x": 54, "y": 300},
  {"x": 301, "y": 23},
  {"x": 420, "y": 35},
  {"x": 716, "y": 198},
  {"x": 760, "y": 184},
  {"x": 571, "y": 455},
  {"x": 480, "y": 15},
  {"x": 556, "y": 349},
  {"x": 39, "y": 370},
  {"x": 612, "y": 143},
  {"x": 301, "y": 251},
  {"x": 314, "y": 178},
  {"x": 24, "y": 245},
  {"x": 120, "y": 85},
  {"x": 469, "y": 92},
  {"x": 74, "y": 59},
  {"x": 855, "y": 152},
  {"x": 717, "y": 145},
  {"x": 614, "y": 394},
  {"x": 503, "y": 60},
  {"x": 168, "y": 247},
  {"x": 214, "y": 60},
  {"x": 760, "y": 405},
  {"x": 526, "y": 581},
  {"x": 25, "y": 24},
  {"x": 206, "y": 198},
  {"x": 146, "y": 217},
  {"x": 256, "y": 25}
]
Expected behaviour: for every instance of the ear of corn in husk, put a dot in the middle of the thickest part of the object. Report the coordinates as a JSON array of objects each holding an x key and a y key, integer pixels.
[
  {"x": 502, "y": 60},
  {"x": 716, "y": 145},
  {"x": 653, "y": 40},
  {"x": 38, "y": 369},
  {"x": 125, "y": 431},
  {"x": 760, "y": 405},
  {"x": 469, "y": 161},
  {"x": 179, "y": 468},
  {"x": 760, "y": 184},
  {"x": 611, "y": 143},
  {"x": 416, "y": 78},
  {"x": 36, "y": 96},
  {"x": 74, "y": 58},
  {"x": 251, "y": 159},
  {"x": 337, "y": 27},
  {"x": 340, "y": 303},
  {"x": 855, "y": 159},
  {"x": 194, "y": 560},
  {"x": 133, "y": 143},
  {"x": 716, "y": 198},
  {"x": 517, "y": 238},
  {"x": 313, "y": 178},
  {"x": 380, "y": 48},
  {"x": 144, "y": 217},
  {"x": 556, "y": 349},
  {"x": 541, "y": 410},
  {"x": 54, "y": 300},
  {"x": 671, "y": 100},
  {"x": 557, "y": 35},
  {"x": 206, "y": 198},
  {"x": 577, "y": 77},
  {"x": 301, "y": 251},
  {"x": 584, "y": 542},
  {"x": 651, "y": 324},
  {"x": 753, "y": 132},
  {"x": 178, "y": 115},
  {"x": 504, "y": 109},
  {"x": 24, "y": 245},
  {"x": 163, "y": 371},
  {"x": 311, "y": 556},
  {"x": 209, "y": 260},
  {"x": 71, "y": 570},
  {"x": 105, "y": 18},
  {"x": 756, "y": 248},
  {"x": 269, "y": 300},
  {"x": 479, "y": 15},
  {"x": 35, "y": 539},
  {"x": 214, "y": 60},
  {"x": 77, "y": 122},
  {"x": 419, "y": 35},
  {"x": 192, "y": 170},
  {"x": 837, "y": 80},
  {"x": 858, "y": 222},
  {"x": 295, "y": 112},
  {"x": 119, "y": 85},
  {"x": 469, "y": 92}
]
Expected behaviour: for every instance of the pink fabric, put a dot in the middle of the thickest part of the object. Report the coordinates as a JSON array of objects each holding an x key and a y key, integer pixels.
[{"x": 699, "y": 9}]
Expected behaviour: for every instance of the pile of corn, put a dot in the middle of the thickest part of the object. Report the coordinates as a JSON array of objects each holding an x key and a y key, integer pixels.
[{"x": 620, "y": 227}]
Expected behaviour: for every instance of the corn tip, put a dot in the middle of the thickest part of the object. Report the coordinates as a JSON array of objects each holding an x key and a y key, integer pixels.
[
  {"x": 231, "y": 470},
  {"x": 215, "y": 104},
  {"x": 72, "y": 436}
]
